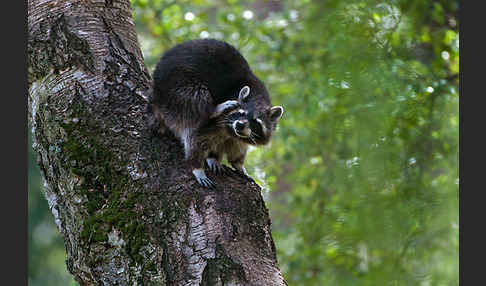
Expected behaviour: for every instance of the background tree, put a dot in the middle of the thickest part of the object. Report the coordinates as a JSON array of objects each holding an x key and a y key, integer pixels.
[{"x": 361, "y": 179}]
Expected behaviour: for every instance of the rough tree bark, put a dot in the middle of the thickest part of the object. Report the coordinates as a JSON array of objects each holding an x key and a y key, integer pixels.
[{"x": 128, "y": 207}]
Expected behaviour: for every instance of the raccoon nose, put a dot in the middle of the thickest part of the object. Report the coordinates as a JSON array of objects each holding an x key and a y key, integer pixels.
[{"x": 239, "y": 125}]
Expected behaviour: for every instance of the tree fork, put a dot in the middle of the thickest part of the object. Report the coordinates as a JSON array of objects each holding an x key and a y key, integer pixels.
[{"x": 127, "y": 206}]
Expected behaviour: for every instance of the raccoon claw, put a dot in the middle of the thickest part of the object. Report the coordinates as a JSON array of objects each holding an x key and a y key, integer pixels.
[
  {"x": 202, "y": 179},
  {"x": 206, "y": 182},
  {"x": 215, "y": 166}
]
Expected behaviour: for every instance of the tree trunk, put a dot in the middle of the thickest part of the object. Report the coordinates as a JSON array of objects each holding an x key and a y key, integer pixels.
[{"x": 129, "y": 209}]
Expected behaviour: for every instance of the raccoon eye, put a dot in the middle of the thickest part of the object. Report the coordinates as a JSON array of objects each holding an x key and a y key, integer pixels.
[
  {"x": 257, "y": 124},
  {"x": 242, "y": 112}
]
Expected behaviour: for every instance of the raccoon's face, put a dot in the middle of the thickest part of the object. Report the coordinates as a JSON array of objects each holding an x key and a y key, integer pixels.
[{"x": 253, "y": 123}]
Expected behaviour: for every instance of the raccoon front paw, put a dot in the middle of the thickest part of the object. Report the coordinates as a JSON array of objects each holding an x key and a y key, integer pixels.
[
  {"x": 224, "y": 107},
  {"x": 202, "y": 179},
  {"x": 215, "y": 166},
  {"x": 229, "y": 105}
]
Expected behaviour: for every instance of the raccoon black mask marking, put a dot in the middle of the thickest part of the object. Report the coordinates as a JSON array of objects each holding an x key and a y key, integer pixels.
[
  {"x": 252, "y": 125},
  {"x": 207, "y": 95}
]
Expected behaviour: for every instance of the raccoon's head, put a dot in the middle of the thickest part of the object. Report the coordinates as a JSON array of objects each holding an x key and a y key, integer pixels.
[{"x": 255, "y": 121}]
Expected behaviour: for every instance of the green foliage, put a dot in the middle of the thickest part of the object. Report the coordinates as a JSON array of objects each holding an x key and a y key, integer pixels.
[{"x": 361, "y": 178}]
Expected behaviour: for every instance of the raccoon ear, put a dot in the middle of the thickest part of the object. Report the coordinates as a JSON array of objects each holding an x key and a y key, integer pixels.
[
  {"x": 244, "y": 92},
  {"x": 276, "y": 112}
]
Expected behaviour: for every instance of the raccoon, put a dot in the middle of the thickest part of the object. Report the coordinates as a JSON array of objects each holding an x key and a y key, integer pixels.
[{"x": 205, "y": 93}]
